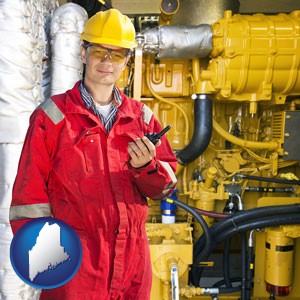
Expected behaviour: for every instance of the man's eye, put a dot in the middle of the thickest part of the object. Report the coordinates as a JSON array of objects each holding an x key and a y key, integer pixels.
[{"x": 118, "y": 55}]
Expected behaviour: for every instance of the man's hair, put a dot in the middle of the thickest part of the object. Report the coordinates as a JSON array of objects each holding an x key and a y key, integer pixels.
[{"x": 84, "y": 44}]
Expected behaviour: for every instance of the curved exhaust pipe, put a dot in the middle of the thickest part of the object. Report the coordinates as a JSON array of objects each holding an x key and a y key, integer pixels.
[{"x": 202, "y": 130}]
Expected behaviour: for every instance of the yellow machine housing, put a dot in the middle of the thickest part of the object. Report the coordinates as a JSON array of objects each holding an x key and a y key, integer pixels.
[
  {"x": 254, "y": 57},
  {"x": 252, "y": 77}
]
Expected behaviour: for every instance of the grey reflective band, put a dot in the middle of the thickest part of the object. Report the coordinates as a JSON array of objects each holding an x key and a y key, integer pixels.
[
  {"x": 147, "y": 114},
  {"x": 166, "y": 191},
  {"x": 52, "y": 111},
  {"x": 30, "y": 211},
  {"x": 169, "y": 170}
]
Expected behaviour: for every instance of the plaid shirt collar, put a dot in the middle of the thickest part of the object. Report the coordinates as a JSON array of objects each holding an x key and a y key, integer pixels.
[
  {"x": 88, "y": 98},
  {"x": 90, "y": 104}
]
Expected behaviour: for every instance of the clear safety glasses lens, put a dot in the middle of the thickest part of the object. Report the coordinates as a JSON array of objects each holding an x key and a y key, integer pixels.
[{"x": 101, "y": 53}]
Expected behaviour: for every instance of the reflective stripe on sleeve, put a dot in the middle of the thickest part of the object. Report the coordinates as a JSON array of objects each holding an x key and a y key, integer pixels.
[
  {"x": 164, "y": 193},
  {"x": 52, "y": 111},
  {"x": 169, "y": 170},
  {"x": 29, "y": 211},
  {"x": 147, "y": 114}
]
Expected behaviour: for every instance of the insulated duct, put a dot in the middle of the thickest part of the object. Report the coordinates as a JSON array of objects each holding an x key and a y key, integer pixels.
[
  {"x": 190, "y": 41},
  {"x": 23, "y": 36},
  {"x": 46, "y": 63},
  {"x": 67, "y": 24}
]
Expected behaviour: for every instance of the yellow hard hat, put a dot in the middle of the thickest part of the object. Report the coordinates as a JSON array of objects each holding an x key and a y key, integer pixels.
[{"x": 110, "y": 27}]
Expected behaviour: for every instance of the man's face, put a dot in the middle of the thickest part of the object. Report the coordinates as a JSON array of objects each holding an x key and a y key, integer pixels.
[{"x": 104, "y": 63}]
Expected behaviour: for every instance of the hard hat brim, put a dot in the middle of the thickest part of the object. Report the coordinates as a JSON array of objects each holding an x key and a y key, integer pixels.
[{"x": 105, "y": 41}]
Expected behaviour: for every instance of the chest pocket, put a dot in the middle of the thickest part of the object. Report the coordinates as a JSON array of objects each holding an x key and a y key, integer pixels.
[
  {"x": 85, "y": 157},
  {"x": 92, "y": 151}
]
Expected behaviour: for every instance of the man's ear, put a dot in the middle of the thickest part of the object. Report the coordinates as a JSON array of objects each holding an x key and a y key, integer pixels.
[{"x": 83, "y": 54}]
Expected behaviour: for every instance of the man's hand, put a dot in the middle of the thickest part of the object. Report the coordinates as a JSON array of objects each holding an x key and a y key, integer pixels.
[{"x": 141, "y": 151}]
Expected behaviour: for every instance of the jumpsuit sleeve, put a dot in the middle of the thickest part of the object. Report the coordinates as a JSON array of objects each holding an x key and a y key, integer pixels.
[
  {"x": 29, "y": 195},
  {"x": 157, "y": 179}
]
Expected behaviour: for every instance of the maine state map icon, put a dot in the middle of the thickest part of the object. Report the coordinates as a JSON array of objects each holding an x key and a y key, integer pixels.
[{"x": 46, "y": 253}]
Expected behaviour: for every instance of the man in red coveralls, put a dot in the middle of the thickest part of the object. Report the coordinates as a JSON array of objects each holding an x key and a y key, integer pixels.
[{"x": 86, "y": 161}]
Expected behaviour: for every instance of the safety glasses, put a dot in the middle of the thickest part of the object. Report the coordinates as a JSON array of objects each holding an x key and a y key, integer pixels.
[{"x": 101, "y": 53}]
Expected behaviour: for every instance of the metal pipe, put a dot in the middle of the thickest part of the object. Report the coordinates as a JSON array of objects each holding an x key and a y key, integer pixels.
[
  {"x": 138, "y": 66},
  {"x": 174, "y": 280},
  {"x": 243, "y": 143}
]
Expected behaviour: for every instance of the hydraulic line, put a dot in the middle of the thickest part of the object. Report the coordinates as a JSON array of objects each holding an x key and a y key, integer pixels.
[
  {"x": 264, "y": 222},
  {"x": 268, "y": 221},
  {"x": 244, "y": 216},
  {"x": 226, "y": 263},
  {"x": 244, "y": 266},
  {"x": 254, "y": 213},
  {"x": 250, "y": 217},
  {"x": 202, "y": 130},
  {"x": 267, "y": 179},
  {"x": 270, "y": 189},
  {"x": 263, "y": 217},
  {"x": 250, "y": 265}
]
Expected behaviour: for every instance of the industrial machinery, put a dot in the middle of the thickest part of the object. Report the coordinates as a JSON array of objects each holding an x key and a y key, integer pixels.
[
  {"x": 230, "y": 90},
  {"x": 229, "y": 86}
]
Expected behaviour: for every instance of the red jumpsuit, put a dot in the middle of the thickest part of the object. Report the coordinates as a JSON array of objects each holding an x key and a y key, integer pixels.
[{"x": 72, "y": 169}]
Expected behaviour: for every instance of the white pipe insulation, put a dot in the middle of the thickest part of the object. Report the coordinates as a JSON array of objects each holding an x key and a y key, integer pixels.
[
  {"x": 67, "y": 24},
  {"x": 25, "y": 81},
  {"x": 24, "y": 27}
]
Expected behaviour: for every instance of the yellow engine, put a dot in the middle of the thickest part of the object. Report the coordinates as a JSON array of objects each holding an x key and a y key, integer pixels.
[{"x": 231, "y": 92}]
